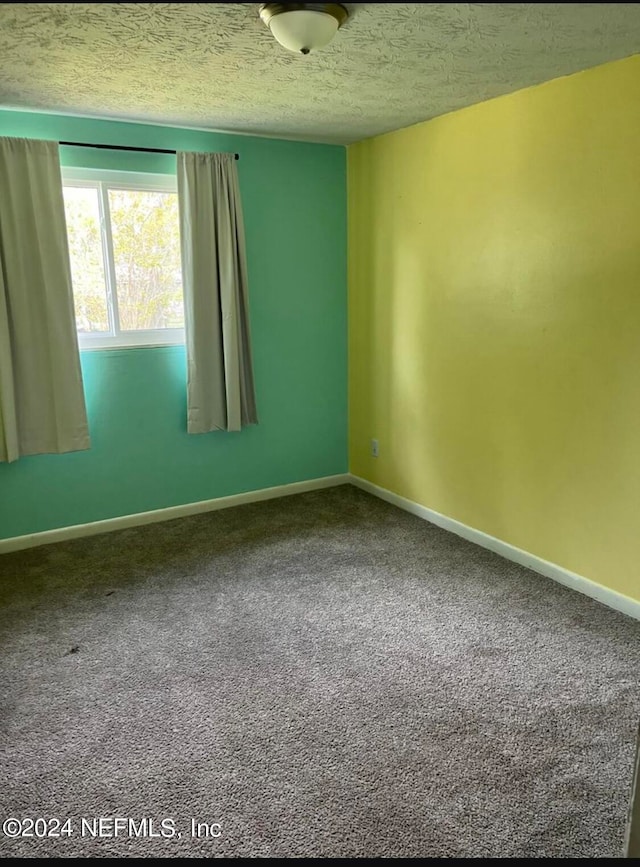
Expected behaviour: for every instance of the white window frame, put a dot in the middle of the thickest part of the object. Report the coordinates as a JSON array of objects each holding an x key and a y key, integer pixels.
[{"x": 105, "y": 180}]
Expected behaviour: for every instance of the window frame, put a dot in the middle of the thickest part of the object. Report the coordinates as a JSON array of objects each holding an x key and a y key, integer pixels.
[{"x": 104, "y": 180}]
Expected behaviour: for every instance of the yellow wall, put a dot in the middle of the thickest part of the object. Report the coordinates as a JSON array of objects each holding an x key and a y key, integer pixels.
[{"x": 495, "y": 318}]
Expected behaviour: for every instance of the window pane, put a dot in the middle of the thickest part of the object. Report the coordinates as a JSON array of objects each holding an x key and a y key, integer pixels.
[
  {"x": 87, "y": 265},
  {"x": 146, "y": 248}
]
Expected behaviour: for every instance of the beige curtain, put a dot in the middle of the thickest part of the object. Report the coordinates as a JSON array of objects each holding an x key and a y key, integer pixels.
[
  {"x": 41, "y": 398},
  {"x": 220, "y": 388}
]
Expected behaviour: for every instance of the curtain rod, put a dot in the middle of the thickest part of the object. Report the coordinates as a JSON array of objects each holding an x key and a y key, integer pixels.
[{"x": 84, "y": 144}]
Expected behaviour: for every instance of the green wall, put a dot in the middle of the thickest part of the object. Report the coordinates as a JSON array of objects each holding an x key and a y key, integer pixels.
[{"x": 294, "y": 200}]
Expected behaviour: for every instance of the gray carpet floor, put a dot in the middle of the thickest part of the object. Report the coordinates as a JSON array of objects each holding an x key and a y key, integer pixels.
[{"x": 318, "y": 675}]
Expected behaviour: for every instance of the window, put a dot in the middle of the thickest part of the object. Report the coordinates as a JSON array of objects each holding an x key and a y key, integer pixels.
[{"x": 124, "y": 244}]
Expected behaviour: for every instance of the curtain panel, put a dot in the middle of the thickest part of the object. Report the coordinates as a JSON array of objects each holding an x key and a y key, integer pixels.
[
  {"x": 220, "y": 384},
  {"x": 42, "y": 405}
]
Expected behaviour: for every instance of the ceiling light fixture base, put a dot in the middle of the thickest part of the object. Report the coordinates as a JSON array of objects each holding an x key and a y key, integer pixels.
[{"x": 303, "y": 27}]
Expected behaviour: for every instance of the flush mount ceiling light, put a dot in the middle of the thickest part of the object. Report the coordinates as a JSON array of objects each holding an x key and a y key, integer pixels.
[{"x": 303, "y": 27}]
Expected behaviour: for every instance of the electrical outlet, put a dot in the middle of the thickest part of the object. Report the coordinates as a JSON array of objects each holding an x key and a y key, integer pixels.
[{"x": 374, "y": 448}]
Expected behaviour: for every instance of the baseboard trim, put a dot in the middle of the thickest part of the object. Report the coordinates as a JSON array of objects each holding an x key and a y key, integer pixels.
[
  {"x": 17, "y": 543},
  {"x": 611, "y": 598}
]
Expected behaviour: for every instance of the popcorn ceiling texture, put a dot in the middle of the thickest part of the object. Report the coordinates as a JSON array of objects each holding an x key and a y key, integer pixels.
[
  {"x": 322, "y": 675},
  {"x": 216, "y": 65}
]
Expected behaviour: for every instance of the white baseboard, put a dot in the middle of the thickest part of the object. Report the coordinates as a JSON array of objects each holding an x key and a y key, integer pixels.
[
  {"x": 17, "y": 543},
  {"x": 608, "y": 597}
]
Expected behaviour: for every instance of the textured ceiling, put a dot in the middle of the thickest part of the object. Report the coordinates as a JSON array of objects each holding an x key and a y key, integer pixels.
[{"x": 215, "y": 65}]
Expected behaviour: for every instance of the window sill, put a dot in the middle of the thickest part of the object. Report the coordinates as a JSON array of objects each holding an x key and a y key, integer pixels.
[{"x": 137, "y": 340}]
